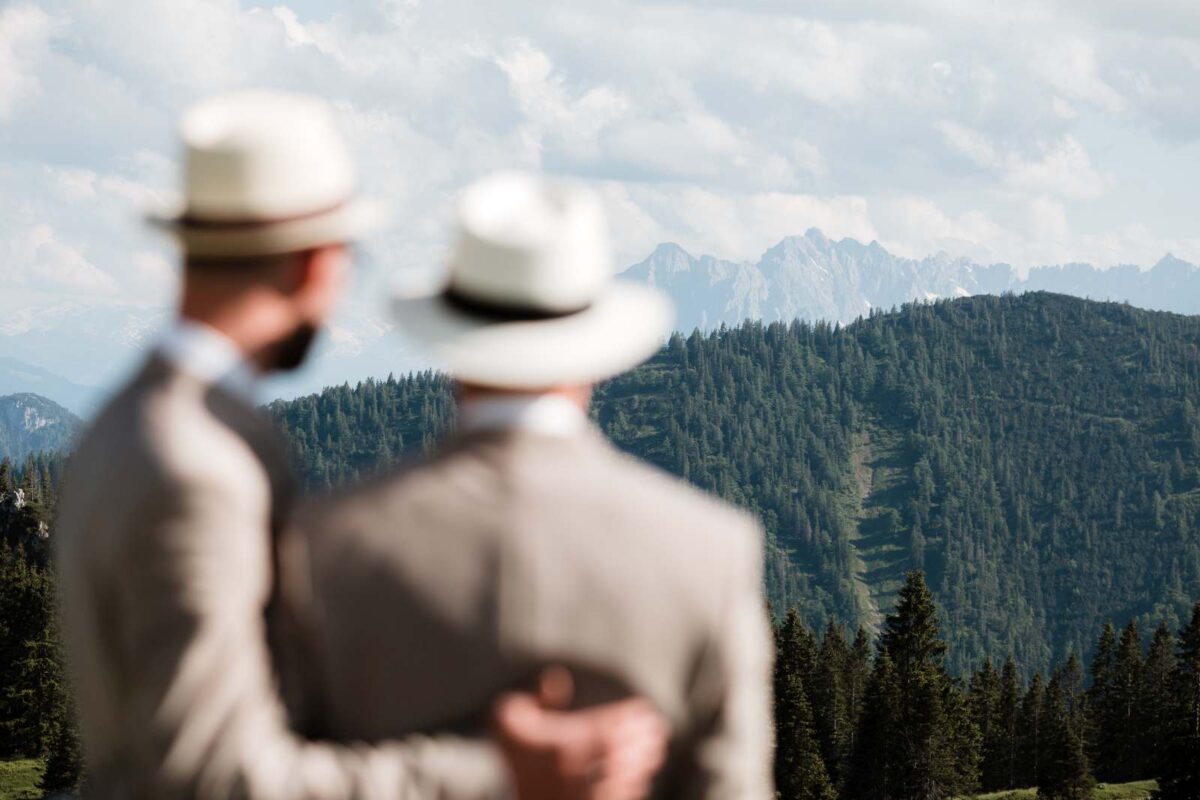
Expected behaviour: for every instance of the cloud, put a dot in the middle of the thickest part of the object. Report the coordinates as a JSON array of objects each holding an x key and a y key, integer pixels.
[
  {"x": 24, "y": 31},
  {"x": 1071, "y": 68},
  {"x": 970, "y": 143},
  {"x": 916, "y": 227},
  {"x": 742, "y": 225},
  {"x": 975, "y": 128},
  {"x": 37, "y": 257},
  {"x": 1064, "y": 169}
]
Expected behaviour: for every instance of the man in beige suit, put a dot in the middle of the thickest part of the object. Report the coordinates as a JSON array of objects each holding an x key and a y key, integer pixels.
[
  {"x": 166, "y": 523},
  {"x": 529, "y": 540}
]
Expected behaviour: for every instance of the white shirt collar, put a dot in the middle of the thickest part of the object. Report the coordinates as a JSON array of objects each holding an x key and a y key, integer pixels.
[
  {"x": 546, "y": 414},
  {"x": 209, "y": 355}
]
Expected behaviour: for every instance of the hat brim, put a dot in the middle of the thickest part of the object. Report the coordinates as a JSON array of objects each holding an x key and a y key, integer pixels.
[
  {"x": 621, "y": 329},
  {"x": 345, "y": 223}
]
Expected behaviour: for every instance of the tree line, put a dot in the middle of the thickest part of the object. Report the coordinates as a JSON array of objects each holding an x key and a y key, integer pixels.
[
  {"x": 886, "y": 720},
  {"x": 1037, "y": 456}
]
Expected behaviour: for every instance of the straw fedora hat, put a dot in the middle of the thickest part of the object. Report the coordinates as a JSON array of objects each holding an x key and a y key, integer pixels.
[
  {"x": 530, "y": 300},
  {"x": 264, "y": 173}
]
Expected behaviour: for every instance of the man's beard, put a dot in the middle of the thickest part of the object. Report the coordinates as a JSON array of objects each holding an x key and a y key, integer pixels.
[{"x": 288, "y": 354}]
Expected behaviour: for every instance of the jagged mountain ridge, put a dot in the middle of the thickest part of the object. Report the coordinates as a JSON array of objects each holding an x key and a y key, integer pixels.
[
  {"x": 812, "y": 277},
  {"x": 30, "y": 423}
]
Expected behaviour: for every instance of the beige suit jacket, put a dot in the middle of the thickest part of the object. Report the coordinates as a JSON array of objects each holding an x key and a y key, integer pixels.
[
  {"x": 414, "y": 600},
  {"x": 164, "y": 547}
]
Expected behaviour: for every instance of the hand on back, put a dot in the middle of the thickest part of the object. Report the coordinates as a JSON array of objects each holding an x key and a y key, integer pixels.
[{"x": 609, "y": 752}]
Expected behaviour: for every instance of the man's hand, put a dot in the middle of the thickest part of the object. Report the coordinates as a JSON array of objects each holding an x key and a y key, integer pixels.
[{"x": 609, "y": 752}]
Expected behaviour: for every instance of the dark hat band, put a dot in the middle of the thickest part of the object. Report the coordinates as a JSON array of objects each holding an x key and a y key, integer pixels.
[
  {"x": 193, "y": 222},
  {"x": 502, "y": 312}
]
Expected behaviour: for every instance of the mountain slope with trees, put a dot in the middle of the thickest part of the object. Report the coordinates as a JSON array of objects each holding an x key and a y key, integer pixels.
[
  {"x": 30, "y": 423},
  {"x": 1035, "y": 455}
]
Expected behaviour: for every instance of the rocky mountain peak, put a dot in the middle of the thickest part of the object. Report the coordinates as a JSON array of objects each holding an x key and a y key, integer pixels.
[{"x": 813, "y": 277}]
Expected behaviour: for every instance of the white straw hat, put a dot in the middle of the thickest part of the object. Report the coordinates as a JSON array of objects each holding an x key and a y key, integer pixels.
[
  {"x": 531, "y": 301},
  {"x": 265, "y": 173}
]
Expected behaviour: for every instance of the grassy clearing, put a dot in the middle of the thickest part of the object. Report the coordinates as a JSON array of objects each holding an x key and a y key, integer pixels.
[
  {"x": 18, "y": 779},
  {"x": 1139, "y": 790}
]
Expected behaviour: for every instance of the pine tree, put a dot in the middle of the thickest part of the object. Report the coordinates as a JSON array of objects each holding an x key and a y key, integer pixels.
[
  {"x": 1064, "y": 773},
  {"x": 1126, "y": 706},
  {"x": 799, "y": 771},
  {"x": 858, "y": 674},
  {"x": 938, "y": 754},
  {"x": 834, "y": 717},
  {"x": 1032, "y": 743},
  {"x": 64, "y": 762},
  {"x": 872, "y": 773},
  {"x": 1179, "y": 778},
  {"x": 796, "y": 647},
  {"x": 1001, "y": 750},
  {"x": 1158, "y": 695},
  {"x": 1105, "y": 746},
  {"x": 984, "y": 695}
]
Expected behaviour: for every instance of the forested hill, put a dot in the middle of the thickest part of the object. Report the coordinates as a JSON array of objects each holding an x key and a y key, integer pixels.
[{"x": 1037, "y": 455}]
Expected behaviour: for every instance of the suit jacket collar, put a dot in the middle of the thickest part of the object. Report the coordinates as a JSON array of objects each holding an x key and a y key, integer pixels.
[{"x": 232, "y": 409}]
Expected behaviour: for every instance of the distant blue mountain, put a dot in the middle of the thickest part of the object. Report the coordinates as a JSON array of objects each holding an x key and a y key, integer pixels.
[{"x": 17, "y": 377}]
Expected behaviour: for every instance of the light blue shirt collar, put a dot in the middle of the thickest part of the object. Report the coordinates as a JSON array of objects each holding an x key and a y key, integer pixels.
[
  {"x": 209, "y": 355},
  {"x": 545, "y": 414}
]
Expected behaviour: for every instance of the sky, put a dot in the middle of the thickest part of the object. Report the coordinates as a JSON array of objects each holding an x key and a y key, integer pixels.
[{"x": 1025, "y": 132}]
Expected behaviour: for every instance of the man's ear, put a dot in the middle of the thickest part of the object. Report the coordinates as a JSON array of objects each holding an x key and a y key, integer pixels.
[{"x": 320, "y": 270}]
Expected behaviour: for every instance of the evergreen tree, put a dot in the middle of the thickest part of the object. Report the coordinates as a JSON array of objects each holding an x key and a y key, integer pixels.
[
  {"x": 1001, "y": 749},
  {"x": 1179, "y": 776},
  {"x": 872, "y": 774},
  {"x": 1032, "y": 735},
  {"x": 834, "y": 715},
  {"x": 937, "y": 745},
  {"x": 795, "y": 647},
  {"x": 1158, "y": 696},
  {"x": 1064, "y": 774},
  {"x": 799, "y": 771},
  {"x": 64, "y": 762},
  {"x": 1105, "y": 746},
  {"x": 984, "y": 694},
  {"x": 858, "y": 674},
  {"x": 1125, "y": 711}
]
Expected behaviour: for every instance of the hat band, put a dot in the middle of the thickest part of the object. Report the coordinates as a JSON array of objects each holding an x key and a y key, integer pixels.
[
  {"x": 200, "y": 223},
  {"x": 503, "y": 312}
]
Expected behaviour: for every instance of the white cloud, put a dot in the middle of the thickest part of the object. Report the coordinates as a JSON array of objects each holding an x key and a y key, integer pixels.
[
  {"x": 1048, "y": 220},
  {"x": 741, "y": 226},
  {"x": 24, "y": 31},
  {"x": 1064, "y": 169},
  {"x": 970, "y": 143},
  {"x": 38, "y": 258},
  {"x": 1071, "y": 67},
  {"x": 916, "y": 226}
]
